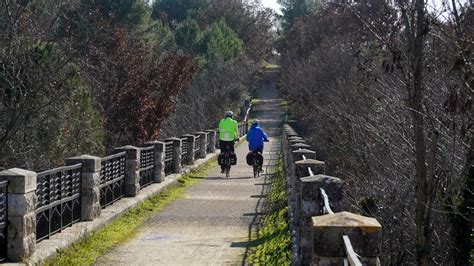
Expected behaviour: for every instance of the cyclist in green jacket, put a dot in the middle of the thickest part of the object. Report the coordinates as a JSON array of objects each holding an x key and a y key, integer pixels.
[{"x": 228, "y": 133}]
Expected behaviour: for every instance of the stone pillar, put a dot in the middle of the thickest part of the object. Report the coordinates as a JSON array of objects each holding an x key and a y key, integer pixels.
[
  {"x": 212, "y": 136},
  {"x": 132, "y": 173},
  {"x": 203, "y": 149},
  {"x": 301, "y": 171},
  {"x": 217, "y": 138},
  {"x": 21, "y": 238},
  {"x": 159, "y": 170},
  {"x": 301, "y": 167},
  {"x": 176, "y": 154},
  {"x": 293, "y": 141},
  {"x": 364, "y": 233},
  {"x": 90, "y": 181},
  {"x": 310, "y": 205},
  {"x": 190, "y": 142},
  {"x": 298, "y": 146},
  {"x": 309, "y": 154}
]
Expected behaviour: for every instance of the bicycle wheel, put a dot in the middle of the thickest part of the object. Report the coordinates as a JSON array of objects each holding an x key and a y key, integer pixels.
[
  {"x": 255, "y": 171},
  {"x": 227, "y": 171}
]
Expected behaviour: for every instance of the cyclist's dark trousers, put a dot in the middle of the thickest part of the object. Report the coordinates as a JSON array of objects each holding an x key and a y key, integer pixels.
[{"x": 222, "y": 145}]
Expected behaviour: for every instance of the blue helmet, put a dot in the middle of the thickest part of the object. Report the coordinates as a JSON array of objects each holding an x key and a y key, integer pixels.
[
  {"x": 255, "y": 122},
  {"x": 229, "y": 114}
]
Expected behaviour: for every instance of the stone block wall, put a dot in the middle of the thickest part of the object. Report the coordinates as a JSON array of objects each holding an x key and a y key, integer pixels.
[{"x": 318, "y": 227}]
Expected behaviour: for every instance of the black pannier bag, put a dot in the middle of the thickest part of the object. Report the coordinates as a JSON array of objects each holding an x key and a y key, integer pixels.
[
  {"x": 233, "y": 159},
  {"x": 249, "y": 158},
  {"x": 220, "y": 159}
]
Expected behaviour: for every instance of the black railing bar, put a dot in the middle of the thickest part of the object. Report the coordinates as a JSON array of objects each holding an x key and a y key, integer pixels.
[
  {"x": 111, "y": 181},
  {"x": 326, "y": 201},
  {"x": 147, "y": 168},
  {"x": 168, "y": 159},
  {"x": 352, "y": 257},
  {"x": 113, "y": 156},
  {"x": 60, "y": 169},
  {"x": 56, "y": 203}
]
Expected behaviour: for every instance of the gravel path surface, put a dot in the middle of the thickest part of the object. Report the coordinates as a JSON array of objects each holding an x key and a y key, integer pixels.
[{"x": 210, "y": 225}]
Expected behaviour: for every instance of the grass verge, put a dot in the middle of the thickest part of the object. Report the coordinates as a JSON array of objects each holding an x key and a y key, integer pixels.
[
  {"x": 273, "y": 240},
  {"x": 86, "y": 251}
]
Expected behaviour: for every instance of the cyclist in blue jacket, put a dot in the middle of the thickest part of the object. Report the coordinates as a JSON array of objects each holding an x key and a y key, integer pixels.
[{"x": 256, "y": 137}]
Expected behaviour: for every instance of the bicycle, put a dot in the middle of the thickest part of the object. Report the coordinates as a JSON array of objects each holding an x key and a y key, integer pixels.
[
  {"x": 227, "y": 160},
  {"x": 256, "y": 164}
]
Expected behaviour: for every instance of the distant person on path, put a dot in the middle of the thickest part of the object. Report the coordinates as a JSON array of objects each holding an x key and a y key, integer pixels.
[
  {"x": 228, "y": 134},
  {"x": 256, "y": 136}
]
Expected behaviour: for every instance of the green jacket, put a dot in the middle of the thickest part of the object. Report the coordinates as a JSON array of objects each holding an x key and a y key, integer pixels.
[{"x": 228, "y": 129}]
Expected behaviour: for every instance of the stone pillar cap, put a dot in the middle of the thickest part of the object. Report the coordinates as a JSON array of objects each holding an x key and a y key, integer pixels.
[
  {"x": 173, "y": 138},
  {"x": 187, "y": 135},
  {"x": 348, "y": 220},
  {"x": 126, "y": 147},
  {"x": 297, "y": 140},
  {"x": 20, "y": 181},
  {"x": 84, "y": 157},
  {"x": 320, "y": 178},
  {"x": 303, "y": 151},
  {"x": 300, "y": 145},
  {"x": 295, "y": 137},
  {"x": 210, "y": 130},
  {"x": 153, "y": 142},
  {"x": 200, "y": 132},
  {"x": 309, "y": 162}
]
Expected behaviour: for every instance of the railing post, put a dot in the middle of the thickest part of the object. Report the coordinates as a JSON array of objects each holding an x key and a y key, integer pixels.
[
  {"x": 90, "y": 181},
  {"x": 159, "y": 170},
  {"x": 310, "y": 205},
  {"x": 212, "y": 140},
  {"x": 190, "y": 143},
  {"x": 21, "y": 239},
  {"x": 132, "y": 173},
  {"x": 176, "y": 154},
  {"x": 365, "y": 234},
  {"x": 203, "y": 148}
]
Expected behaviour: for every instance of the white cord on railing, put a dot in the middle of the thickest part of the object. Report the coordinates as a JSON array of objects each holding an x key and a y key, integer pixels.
[
  {"x": 326, "y": 202},
  {"x": 247, "y": 113},
  {"x": 309, "y": 168},
  {"x": 351, "y": 255}
]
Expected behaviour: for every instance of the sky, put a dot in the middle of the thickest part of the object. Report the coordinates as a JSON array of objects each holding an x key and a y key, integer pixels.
[
  {"x": 272, "y": 4},
  {"x": 275, "y": 6}
]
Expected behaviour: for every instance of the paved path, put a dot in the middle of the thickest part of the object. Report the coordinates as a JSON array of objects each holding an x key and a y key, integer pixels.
[{"x": 211, "y": 224}]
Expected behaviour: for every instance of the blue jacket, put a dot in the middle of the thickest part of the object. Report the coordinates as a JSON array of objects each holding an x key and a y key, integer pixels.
[{"x": 255, "y": 137}]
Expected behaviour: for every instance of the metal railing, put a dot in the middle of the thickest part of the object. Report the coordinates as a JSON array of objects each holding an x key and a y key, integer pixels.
[
  {"x": 112, "y": 179},
  {"x": 59, "y": 200},
  {"x": 184, "y": 151},
  {"x": 168, "y": 158},
  {"x": 352, "y": 257},
  {"x": 208, "y": 144},
  {"x": 197, "y": 143},
  {"x": 147, "y": 166},
  {"x": 3, "y": 220}
]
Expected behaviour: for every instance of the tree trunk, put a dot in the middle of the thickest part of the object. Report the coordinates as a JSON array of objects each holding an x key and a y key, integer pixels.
[{"x": 422, "y": 217}]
